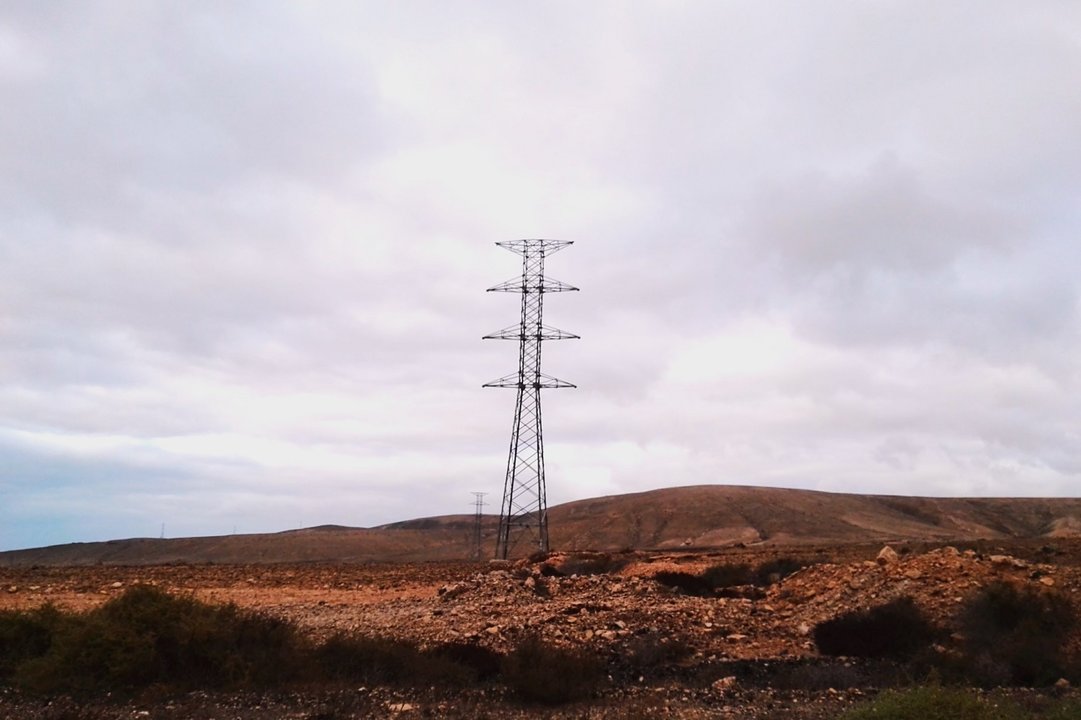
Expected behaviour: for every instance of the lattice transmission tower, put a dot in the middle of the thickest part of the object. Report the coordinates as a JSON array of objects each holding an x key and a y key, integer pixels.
[
  {"x": 478, "y": 523},
  {"x": 524, "y": 511}
]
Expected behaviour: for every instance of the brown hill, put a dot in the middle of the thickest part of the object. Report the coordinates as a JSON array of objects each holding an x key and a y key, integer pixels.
[{"x": 699, "y": 516}]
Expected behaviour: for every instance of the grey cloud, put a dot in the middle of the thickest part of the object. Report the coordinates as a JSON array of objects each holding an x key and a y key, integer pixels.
[{"x": 246, "y": 250}]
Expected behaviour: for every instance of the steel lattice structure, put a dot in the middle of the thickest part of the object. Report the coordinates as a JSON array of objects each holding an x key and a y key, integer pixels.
[{"x": 524, "y": 510}]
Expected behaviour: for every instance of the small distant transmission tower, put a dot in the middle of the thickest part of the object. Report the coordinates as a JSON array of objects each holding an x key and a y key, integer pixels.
[
  {"x": 525, "y": 510},
  {"x": 478, "y": 519}
]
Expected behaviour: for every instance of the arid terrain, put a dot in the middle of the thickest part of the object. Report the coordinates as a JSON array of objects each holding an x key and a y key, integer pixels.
[
  {"x": 697, "y": 517},
  {"x": 668, "y": 653},
  {"x": 746, "y": 650}
]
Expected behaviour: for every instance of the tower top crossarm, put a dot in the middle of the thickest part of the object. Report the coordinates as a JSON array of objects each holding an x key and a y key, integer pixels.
[{"x": 546, "y": 247}]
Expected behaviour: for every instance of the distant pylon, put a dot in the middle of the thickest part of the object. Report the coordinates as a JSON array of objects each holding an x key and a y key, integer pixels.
[
  {"x": 524, "y": 511},
  {"x": 478, "y": 519}
]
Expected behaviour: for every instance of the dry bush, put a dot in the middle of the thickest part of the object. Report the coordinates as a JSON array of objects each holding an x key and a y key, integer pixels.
[
  {"x": 718, "y": 578},
  {"x": 546, "y": 674},
  {"x": 386, "y": 661},
  {"x": 652, "y": 651},
  {"x": 1016, "y": 636},
  {"x": 586, "y": 564},
  {"x": 896, "y": 629}
]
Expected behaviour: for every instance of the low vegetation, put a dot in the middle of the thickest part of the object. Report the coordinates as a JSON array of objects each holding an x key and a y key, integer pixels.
[
  {"x": 939, "y": 703},
  {"x": 1017, "y": 636},
  {"x": 538, "y": 672},
  {"x": 717, "y": 578},
  {"x": 896, "y": 629},
  {"x": 1010, "y": 635},
  {"x": 149, "y": 638}
]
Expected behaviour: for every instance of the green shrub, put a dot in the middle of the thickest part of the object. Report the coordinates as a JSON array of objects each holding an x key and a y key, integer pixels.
[
  {"x": 1017, "y": 636},
  {"x": 896, "y": 629},
  {"x": 24, "y": 636},
  {"x": 931, "y": 703},
  {"x": 542, "y": 673},
  {"x": 146, "y": 637},
  {"x": 1065, "y": 710}
]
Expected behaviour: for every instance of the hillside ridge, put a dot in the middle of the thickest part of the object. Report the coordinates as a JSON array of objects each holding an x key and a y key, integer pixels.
[{"x": 699, "y": 516}]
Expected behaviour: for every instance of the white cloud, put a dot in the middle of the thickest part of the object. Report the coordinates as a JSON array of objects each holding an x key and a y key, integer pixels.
[{"x": 245, "y": 250}]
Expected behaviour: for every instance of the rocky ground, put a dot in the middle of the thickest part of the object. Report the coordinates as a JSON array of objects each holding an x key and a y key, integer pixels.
[{"x": 670, "y": 654}]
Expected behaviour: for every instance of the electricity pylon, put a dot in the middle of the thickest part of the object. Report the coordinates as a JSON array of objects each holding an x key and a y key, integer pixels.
[
  {"x": 478, "y": 523},
  {"x": 524, "y": 511}
]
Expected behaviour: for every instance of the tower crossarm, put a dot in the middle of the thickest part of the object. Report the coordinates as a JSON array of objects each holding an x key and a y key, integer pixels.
[
  {"x": 534, "y": 247},
  {"x": 514, "y": 381},
  {"x": 542, "y": 332},
  {"x": 532, "y": 285}
]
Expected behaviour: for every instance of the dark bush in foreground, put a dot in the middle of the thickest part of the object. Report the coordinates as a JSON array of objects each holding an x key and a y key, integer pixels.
[
  {"x": 542, "y": 673},
  {"x": 385, "y": 661},
  {"x": 895, "y": 630},
  {"x": 146, "y": 637},
  {"x": 1017, "y": 636},
  {"x": 24, "y": 636}
]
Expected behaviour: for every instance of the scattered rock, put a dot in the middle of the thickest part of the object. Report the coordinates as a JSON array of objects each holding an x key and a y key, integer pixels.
[
  {"x": 724, "y": 684},
  {"x": 452, "y": 590},
  {"x": 887, "y": 556},
  {"x": 1007, "y": 561}
]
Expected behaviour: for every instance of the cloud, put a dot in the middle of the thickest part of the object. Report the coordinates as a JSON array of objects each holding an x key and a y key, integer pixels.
[{"x": 246, "y": 248}]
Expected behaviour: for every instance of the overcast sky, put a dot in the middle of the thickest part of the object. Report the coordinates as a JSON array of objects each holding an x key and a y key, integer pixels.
[{"x": 244, "y": 248}]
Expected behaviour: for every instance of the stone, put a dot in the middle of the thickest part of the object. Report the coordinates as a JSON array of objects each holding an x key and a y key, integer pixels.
[
  {"x": 1007, "y": 560},
  {"x": 1048, "y": 581},
  {"x": 453, "y": 590},
  {"x": 887, "y": 556},
  {"x": 725, "y": 683}
]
